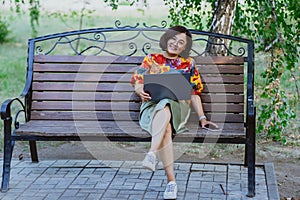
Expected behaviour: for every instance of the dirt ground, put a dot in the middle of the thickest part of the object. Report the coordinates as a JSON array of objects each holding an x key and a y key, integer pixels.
[{"x": 286, "y": 159}]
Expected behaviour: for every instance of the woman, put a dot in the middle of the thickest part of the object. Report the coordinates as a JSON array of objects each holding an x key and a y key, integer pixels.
[{"x": 167, "y": 117}]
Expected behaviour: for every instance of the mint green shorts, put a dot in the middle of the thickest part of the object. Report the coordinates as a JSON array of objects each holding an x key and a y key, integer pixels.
[{"x": 180, "y": 112}]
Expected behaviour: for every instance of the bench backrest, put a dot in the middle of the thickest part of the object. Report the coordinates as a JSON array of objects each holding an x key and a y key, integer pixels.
[
  {"x": 85, "y": 74},
  {"x": 97, "y": 88}
]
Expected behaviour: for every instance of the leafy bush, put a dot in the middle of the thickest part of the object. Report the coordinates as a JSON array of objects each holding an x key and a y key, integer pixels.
[{"x": 3, "y": 31}]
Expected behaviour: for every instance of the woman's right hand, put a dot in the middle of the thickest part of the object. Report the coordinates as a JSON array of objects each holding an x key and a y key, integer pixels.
[{"x": 139, "y": 90}]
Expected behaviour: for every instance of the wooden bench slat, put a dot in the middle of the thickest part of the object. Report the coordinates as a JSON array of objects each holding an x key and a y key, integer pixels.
[
  {"x": 223, "y": 60},
  {"x": 124, "y": 96},
  {"x": 113, "y": 128},
  {"x": 96, "y": 87},
  {"x": 121, "y": 124},
  {"x": 81, "y": 77},
  {"x": 220, "y": 98},
  {"x": 220, "y": 117},
  {"x": 223, "y": 88},
  {"x": 85, "y": 96},
  {"x": 123, "y": 87},
  {"x": 87, "y": 59},
  {"x": 119, "y": 115},
  {"x": 228, "y": 108},
  {"x": 86, "y": 77},
  {"x": 87, "y": 68},
  {"x": 85, "y": 106},
  {"x": 228, "y": 79},
  {"x": 85, "y": 115},
  {"x": 212, "y": 60},
  {"x": 121, "y": 68},
  {"x": 109, "y": 134},
  {"x": 125, "y": 106},
  {"x": 220, "y": 69}
]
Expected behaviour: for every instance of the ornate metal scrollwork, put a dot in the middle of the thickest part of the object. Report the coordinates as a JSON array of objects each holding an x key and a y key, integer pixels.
[
  {"x": 16, "y": 117},
  {"x": 163, "y": 25},
  {"x": 38, "y": 50},
  {"x": 113, "y": 41},
  {"x": 16, "y": 122},
  {"x": 241, "y": 50},
  {"x": 146, "y": 46},
  {"x": 118, "y": 23},
  {"x": 149, "y": 38}
]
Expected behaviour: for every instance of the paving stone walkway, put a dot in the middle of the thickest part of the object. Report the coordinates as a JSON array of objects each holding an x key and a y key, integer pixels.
[{"x": 110, "y": 180}]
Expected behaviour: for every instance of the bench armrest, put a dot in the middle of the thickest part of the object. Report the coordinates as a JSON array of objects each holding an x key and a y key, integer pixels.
[{"x": 6, "y": 109}]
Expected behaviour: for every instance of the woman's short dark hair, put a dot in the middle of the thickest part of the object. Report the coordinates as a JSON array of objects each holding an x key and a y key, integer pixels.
[{"x": 170, "y": 33}]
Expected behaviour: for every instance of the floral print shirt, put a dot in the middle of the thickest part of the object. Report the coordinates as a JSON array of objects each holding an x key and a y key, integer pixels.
[{"x": 158, "y": 63}]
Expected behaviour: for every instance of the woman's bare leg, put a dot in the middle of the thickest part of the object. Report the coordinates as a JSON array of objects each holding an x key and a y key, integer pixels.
[
  {"x": 162, "y": 140},
  {"x": 159, "y": 125},
  {"x": 166, "y": 153}
]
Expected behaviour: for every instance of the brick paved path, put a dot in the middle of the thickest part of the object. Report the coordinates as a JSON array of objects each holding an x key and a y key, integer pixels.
[{"x": 110, "y": 180}]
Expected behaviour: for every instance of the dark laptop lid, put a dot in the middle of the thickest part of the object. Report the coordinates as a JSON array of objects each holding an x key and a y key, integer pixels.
[{"x": 174, "y": 86}]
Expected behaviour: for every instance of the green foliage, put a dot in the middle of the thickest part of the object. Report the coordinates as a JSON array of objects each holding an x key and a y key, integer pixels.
[
  {"x": 34, "y": 12},
  {"x": 274, "y": 26},
  {"x": 276, "y": 113},
  {"x": 64, "y": 17},
  {"x": 114, "y": 4},
  {"x": 3, "y": 31},
  {"x": 196, "y": 14}
]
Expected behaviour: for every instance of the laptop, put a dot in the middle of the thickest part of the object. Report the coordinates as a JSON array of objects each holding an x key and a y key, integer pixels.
[{"x": 175, "y": 86}]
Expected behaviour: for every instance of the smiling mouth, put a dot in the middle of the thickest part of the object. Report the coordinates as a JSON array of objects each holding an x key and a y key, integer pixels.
[{"x": 173, "y": 48}]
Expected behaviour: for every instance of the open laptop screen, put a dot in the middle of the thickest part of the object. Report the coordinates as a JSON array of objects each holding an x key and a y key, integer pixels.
[{"x": 174, "y": 86}]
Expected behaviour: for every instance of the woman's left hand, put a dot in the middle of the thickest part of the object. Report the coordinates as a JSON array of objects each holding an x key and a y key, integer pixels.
[{"x": 205, "y": 122}]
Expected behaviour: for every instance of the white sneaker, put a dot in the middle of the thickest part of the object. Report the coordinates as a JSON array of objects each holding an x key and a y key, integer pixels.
[
  {"x": 171, "y": 191},
  {"x": 149, "y": 161}
]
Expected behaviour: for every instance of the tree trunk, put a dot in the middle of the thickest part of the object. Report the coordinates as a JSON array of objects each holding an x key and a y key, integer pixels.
[{"x": 222, "y": 22}]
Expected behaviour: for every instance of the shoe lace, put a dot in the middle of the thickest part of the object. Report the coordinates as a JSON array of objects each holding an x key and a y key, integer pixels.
[
  {"x": 151, "y": 158},
  {"x": 171, "y": 187}
]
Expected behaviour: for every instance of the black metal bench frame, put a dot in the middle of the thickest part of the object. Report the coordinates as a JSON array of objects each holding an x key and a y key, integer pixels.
[{"x": 100, "y": 40}]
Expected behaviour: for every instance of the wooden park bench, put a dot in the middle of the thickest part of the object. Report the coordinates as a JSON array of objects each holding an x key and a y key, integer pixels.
[{"x": 77, "y": 88}]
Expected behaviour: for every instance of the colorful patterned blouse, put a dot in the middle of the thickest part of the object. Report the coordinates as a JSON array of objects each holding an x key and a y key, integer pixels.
[{"x": 158, "y": 63}]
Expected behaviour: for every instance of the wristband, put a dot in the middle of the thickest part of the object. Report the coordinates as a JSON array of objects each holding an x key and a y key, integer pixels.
[{"x": 202, "y": 117}]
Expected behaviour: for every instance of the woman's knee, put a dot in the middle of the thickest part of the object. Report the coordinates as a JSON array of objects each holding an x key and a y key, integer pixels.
[
  {"x": 167, "y": 139},
  {"x": 168, "y": 132},
  {"x": 167, "y": 112},
  {"x": 169, "y": 129},
  {"x": 162, "y": 121}
]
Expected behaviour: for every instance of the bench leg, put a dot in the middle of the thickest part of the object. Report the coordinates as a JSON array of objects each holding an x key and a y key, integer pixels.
[
  {"x": 250, "y": 155},
  {"x": 249, "y": 162},
  {"x": 33, "y": 151},
  {"x": 251, "y": 170},
  {"x": 7, "y": 155}
]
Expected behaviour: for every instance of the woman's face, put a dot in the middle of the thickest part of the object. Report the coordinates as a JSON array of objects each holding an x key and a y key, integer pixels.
[{"x": 176, "y": 44}]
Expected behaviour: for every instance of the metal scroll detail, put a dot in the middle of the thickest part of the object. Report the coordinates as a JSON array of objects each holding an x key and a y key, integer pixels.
[
  {"x": 95, "y": 45},
  {"x": 123, "y": 40},
  {"x": 22, "y": 110},
  {"x": 205, "y": 42},
  {"x": 118, "y": 25},
  {"x": 163, "y": 25}
]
